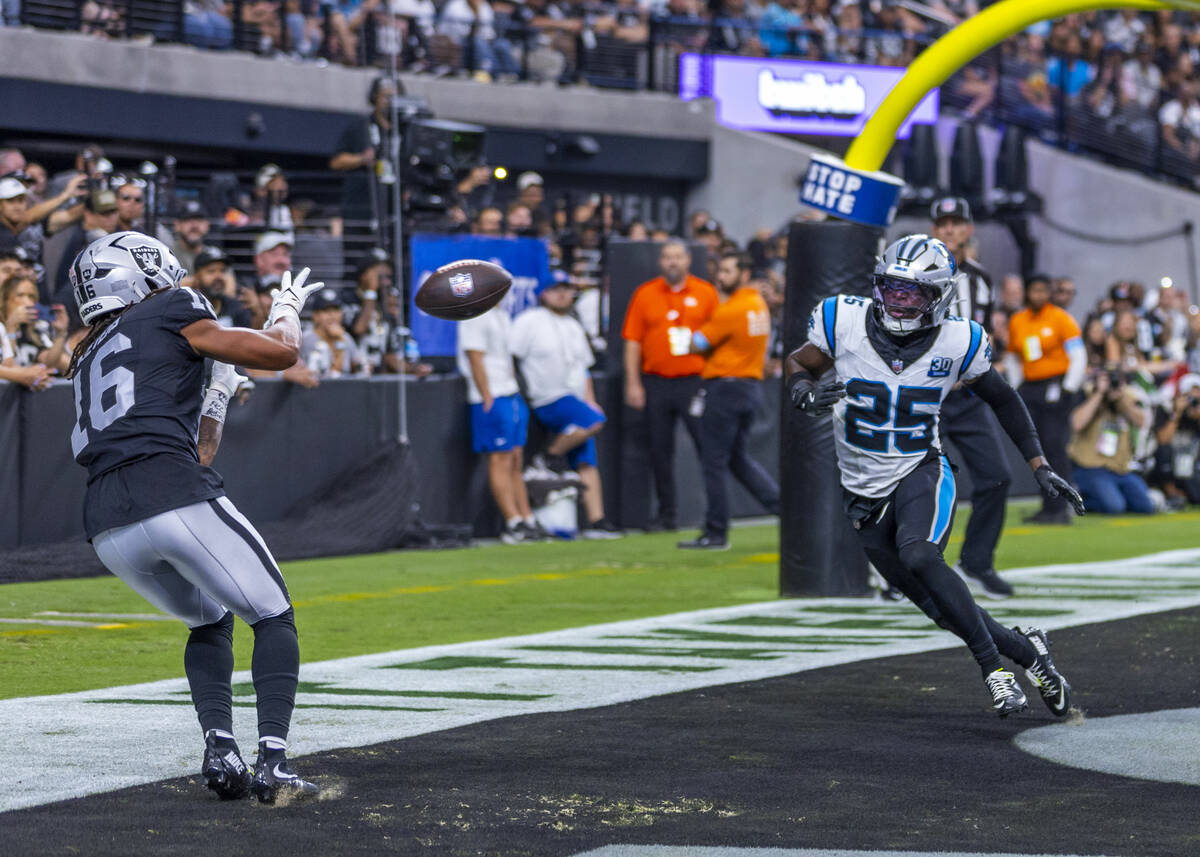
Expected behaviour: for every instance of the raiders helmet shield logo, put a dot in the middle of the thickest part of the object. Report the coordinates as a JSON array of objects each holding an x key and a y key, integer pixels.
[
  {"x": 897, "y": 366},
  {"x": 461, "y": 284},
  {"x": 149, "y": 259}
]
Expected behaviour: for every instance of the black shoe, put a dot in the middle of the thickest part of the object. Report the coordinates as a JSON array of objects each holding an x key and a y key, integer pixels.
[
  {"x": 535, "y": 532},
  {"x": 223, "y": 769},
  {"x": 601, "y": 529},
  {"x": 1055, "y": 691},
  {"x": 1007, "y": 696},
  {"x": 991, "y": 584},
  {"x": 515, "y": 535},
  {"x": 706, "y": 542},
  {"x": 1062, "y": 516},
  {"x": 273, "y": 777},
  {"x": 661, "y": 525}
]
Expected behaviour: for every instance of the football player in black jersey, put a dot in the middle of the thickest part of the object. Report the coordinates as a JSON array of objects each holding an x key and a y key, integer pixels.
[{"x": 154, "y": 511}]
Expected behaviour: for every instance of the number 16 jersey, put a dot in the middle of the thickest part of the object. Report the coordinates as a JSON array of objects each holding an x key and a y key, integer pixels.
[
  {"x": 138, "y": 393},
  {"x": 888, "y": 422}
]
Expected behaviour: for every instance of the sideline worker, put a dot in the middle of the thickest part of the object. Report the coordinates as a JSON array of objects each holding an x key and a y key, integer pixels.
[
  {"x": 1046, "y": 350},
  {"x": 735, "y": 340},
  {"x": 662, "y": 376}
]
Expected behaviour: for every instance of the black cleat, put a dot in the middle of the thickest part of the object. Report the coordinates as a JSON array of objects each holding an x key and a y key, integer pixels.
[
  {"x": 273, "y": 777},
  {"x": 223, "y": 769},
  {"x": 1055, "y": 691},
  {"x": 1007, "y": 696},
  {"x": 992, "y": 584},
  {"x": 705, "y": 542}
]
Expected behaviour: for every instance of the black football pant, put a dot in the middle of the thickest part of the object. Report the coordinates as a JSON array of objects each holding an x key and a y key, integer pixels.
[
  {"x": 904, "y": 536},
  {"x": 730, "y": 406},
  {"x": 1051, "y": 413},
  {"x": 667, "y": 401},
  {"x": 969, "y": 422}
]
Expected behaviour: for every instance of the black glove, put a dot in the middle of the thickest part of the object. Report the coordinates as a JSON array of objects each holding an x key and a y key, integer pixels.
[
  {"x": 1053, "y": 485},
  {"x": 817, "y": 401}
]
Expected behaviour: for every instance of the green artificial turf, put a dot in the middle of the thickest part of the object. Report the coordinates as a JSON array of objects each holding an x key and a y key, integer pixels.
[{"x": 357, "y": 605}]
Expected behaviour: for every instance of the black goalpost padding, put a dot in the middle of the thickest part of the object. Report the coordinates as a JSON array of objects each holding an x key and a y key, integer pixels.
[{"x": 819, "y": 553}]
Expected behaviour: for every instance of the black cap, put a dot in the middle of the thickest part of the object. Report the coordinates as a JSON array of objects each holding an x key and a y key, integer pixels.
[
  {"x": 374, "y": 256},
  {"x": 191, "y": 209},
  {"x": 208, "y": 256},
  {"x": 950, "y": 206},
  {"x": 326, "y": 299}
]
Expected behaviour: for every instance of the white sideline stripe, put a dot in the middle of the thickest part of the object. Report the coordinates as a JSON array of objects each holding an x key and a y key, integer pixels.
[
  {"x": 136, "y": 617},
  {"x": 57, "y": 746},
  {"x": 720, "y": 851},
  {"x": 68, "y": 623}
]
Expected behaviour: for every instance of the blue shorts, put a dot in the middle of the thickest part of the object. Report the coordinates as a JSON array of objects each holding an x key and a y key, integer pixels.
[
  {"x": 571, "y": 412},
  {"x": 502, "y": 428}
]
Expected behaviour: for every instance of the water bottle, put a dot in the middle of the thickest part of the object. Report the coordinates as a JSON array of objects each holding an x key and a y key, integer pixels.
[{"x": 412, "y": 351}]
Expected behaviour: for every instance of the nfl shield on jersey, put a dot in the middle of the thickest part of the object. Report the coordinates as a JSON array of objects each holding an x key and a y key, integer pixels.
[{"x": 888, "y": 421}]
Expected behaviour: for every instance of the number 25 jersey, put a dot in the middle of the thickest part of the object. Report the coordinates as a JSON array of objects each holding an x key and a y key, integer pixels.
[{"x": 888, "y": 421}]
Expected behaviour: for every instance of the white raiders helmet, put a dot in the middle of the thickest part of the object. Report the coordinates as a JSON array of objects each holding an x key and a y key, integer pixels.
[
  {"x": 914, "y": 284},
  {"x": 120, "y": 269}
]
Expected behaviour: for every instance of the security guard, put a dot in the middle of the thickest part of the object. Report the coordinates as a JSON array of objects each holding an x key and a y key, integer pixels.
[
  {"x": 662, "y": 376},
  {"x": 735, "y": 340},
  {"x": 966, "y": 420}
]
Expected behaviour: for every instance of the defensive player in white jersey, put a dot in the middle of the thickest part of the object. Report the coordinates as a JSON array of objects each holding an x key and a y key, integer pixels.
[{"x": 894, "y": 358}]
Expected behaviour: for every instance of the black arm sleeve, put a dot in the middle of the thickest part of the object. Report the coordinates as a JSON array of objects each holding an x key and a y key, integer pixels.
[{"x": 1010, "y": 411}]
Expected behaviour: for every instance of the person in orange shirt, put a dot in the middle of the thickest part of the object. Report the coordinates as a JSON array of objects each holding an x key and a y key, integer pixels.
[
  {"x": 662, "y": 375},
  {"x": 1047, "y": 362},
  {"x": 735, "y": 341}
]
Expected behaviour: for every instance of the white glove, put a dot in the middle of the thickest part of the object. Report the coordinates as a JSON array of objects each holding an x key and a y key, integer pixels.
[
  {"x": 224, "y": 386},
  {"x": 290, "y": 296},
  {"x": 227, "y": 380}
]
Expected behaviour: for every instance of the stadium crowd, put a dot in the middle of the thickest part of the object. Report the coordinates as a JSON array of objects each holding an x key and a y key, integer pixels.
[{"x": 1122, "y": 83}]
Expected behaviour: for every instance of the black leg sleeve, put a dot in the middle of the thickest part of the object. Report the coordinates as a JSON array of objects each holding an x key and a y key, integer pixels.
[
  {"x": 275, "y": 667},
  {"x": 208, "y": 663}
]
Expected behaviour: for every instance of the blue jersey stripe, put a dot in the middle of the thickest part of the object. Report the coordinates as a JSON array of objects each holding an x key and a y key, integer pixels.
[
  {"x": 944, "y": 503},
  {"x": 976, "y": 339},
  {"x": 829, "y": 313}
]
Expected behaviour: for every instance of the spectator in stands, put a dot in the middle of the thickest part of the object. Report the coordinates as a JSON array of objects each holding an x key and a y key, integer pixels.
[
  {"x": 272, "y": 257},
  {"x": 1095, "y": 340},
  {"x": 328, "y": 350},
  {"x": 191, "y": 230},
  {"x": 131, "y": 200},
  {"x": 552, "y": 349},
  {"x": 1102, "y": 450},
  {"x": 12, "y": 261},
  {"x": 1177, "y": 431},
  {"x": 1068, "y": 73},
  {"x": 470, "y": 24},
  {"x": 1125, "y": 29},
  {"x": 1180, "y": 121},
  {"x": 1062, "y": 292},
  {"x": 733, "y": 30},
  {"x": 1141, "y": 79},
  {"x": 549, "y": 30},
  {"x": 1105, "y": 96},
  {"x": 1047, "y": 362},
  {"x": 10, "y": 15},
  {"x": 489, "y": 221},
  {"x": 213, "y": 277},
  {"x": 499, "y": 417},
  {"x": 270, "y": 206},
  {"x": 1170, "y": 321},
  {"x": 305, "y": 27},
  {"x": 15, "y": 230},
  {"x": 205, "y": 24},
  {"x": 34, "y": 339},
  {"x": 519, "y": 221},
  {"x": 662, "y": 376},
  {"x": 531, "y": 191},
  {"x": 1012, "y": 293},
  {"x": 782, "y": 29}
]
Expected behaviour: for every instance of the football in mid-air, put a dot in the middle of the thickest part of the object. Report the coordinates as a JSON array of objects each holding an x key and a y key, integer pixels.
[{"x": 463, "y": 289}]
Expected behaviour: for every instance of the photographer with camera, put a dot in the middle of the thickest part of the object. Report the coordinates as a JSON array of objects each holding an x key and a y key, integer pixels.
[
  {"x": 1178, "y": 434},
  {"x": 1102, "y": 449}
]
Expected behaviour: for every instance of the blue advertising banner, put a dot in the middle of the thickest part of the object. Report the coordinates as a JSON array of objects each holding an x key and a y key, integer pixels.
[{"x": 527, "y": 259}]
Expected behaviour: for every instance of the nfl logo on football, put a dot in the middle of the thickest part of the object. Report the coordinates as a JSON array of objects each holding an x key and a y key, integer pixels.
[{"x": 461, "y": 284}]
